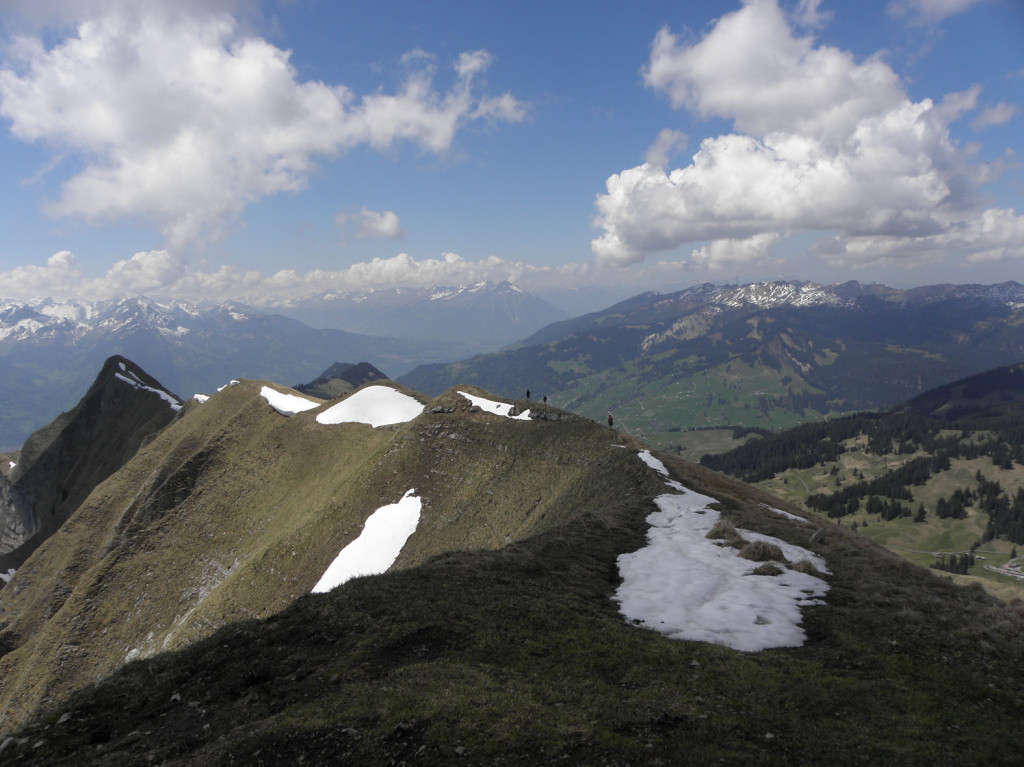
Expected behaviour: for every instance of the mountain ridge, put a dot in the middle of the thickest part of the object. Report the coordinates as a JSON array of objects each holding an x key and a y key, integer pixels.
[
  {"x": 768, "y": 355},
  {"x": 46, "y": 350},
  {"x": 169, "y": 620},
  {"x": 60, "y": 464}
]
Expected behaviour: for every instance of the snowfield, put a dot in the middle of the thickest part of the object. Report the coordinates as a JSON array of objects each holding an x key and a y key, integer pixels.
[
  {"x": 378, "y": 545},
  {"x": 6, "y": 577},
  {"x": 684, "y": 585},
  {"x": 287, "y": 404},
  {"x": 498, "y": 408},
  {"x": 375, "y": 405}
]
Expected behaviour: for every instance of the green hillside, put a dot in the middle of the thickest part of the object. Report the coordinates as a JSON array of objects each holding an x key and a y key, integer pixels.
[
  {"x": 519, "y": 656},
  {"x": 767, "y": 356},
  {"x": 942, "y": 492}
]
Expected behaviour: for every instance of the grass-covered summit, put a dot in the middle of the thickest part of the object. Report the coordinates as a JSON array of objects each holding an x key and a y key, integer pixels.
[{"x": 498, "y": 635}]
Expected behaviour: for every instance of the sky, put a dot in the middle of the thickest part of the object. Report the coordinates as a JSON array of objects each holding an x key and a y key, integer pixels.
[{"x": 267, "y": 151}]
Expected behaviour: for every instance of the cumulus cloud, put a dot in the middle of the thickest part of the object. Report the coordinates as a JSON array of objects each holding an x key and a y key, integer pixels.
[
  {"x": 724, "y": 253},
  {"x": 60, "y": 276},
  {"x": 822, "y": 142},
  {"x": 382, "y": 224},
  {"x": 667, "y": 142},
  {"x": 808, "y": 14},
  {"x": 997, "y": 114},
  {"x": 159, "y": 273},
  {"x": 928, "y": 11},
  {"x": 994, "y": 235},
  {"x": 182, "y": 120}
]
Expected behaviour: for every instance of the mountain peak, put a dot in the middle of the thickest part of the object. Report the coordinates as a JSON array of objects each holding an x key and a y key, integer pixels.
[{"x": 61, "y": 463}]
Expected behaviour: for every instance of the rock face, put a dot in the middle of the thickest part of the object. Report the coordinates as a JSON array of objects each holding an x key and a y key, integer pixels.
[{"x": 60, "y": 464}]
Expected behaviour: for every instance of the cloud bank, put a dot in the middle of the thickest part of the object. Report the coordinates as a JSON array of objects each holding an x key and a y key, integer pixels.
[
  {"x": 181, "y": 120},
  {"x": 821, "y": 142},
  {"x": 159, "y": 273}
]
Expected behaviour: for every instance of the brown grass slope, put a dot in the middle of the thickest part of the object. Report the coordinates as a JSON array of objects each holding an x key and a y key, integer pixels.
[{"x": 235, "y": 511}]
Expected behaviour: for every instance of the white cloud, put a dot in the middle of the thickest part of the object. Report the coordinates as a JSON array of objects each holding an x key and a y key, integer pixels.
[
  {"x": 142, "y": 273},
  {"x": 751, "y": 69},
  {"x": 994, "y": 235},
  {"x": 719, "y": 254},
  {"x": 821, "y": 143},
  {"x": 60, "y": 277},
  {"x": 808, "y": 14},
  {"x": 382, "y": 224},
  {"x": 928, "y": 11},
  {"x": 667, "y": 142},
  {"x": 182, "y": 120},
  {"x": 997, "y": 114},
  {"x": 159, "y": 273}
]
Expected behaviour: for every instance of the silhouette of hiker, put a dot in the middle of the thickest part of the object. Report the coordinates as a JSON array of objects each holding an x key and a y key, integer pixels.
[
  {"x": 545, "y": 399},
  {"x": 611, "y": 421},
  {"x": 527, "y": 394}
]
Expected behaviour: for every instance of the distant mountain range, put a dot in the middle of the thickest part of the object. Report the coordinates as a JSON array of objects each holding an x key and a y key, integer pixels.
[
  {"x": 49, "y": 349},
  {"x": 482, "y": 316},
  {"x": 765, "y": 355}
]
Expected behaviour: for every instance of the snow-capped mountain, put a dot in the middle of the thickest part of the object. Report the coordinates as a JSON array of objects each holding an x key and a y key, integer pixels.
[
  {"x": 766, "y": 354},
  {"x": 51, "y": 348}
]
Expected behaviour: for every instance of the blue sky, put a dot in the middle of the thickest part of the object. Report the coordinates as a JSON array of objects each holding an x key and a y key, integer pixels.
[{"x": 266, "y": 151}]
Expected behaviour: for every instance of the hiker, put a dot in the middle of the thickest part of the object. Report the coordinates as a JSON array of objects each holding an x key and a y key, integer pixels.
[
  {"x": 527, "y": 394},
  {"x": 545, "y": 399},
  {"x": 611, "y": 421}
]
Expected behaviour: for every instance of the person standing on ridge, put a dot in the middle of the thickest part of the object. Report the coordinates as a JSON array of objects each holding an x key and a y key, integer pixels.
[{"x": 611, "y": 421}]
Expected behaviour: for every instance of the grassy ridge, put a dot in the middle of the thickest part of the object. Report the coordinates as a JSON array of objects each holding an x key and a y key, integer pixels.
[
  {"x": 234, "y": 511},
  {"x": 519, "y": 656}
]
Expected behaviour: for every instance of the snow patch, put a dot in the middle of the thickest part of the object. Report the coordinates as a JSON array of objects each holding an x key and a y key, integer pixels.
[
  {"x": 287, "y": 404},
  {"x": 375, "y": 405},
  {"x": 785, "y": 514},
  {"x": 654, "y": 463},
  {"x": 498, "y": 408},
  {"x": 6, "y": 577},
  {"x": 378, "y": 545},
  {"x": 232, "y": 382},
  {"x": 136, "y": 383},
  {"x": 687, "y": 587},
  {"x": 200, "y": 397}
]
